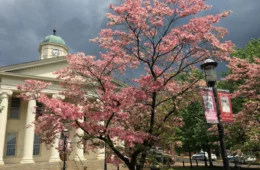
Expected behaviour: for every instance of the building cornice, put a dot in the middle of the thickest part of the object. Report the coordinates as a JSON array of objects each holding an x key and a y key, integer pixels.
[
  {"x": 32, "y": 64},
  {"x": 25, "y": 77},
  {"x": 13, "y": 86},
  {"x": 11, "y": 71}
]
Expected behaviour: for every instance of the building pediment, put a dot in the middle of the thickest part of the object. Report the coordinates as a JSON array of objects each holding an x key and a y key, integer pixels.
[
  {"x": 11, "y": 76},
  {"x": 40, "y": 68},
  {"x": 43, "y": 70}
]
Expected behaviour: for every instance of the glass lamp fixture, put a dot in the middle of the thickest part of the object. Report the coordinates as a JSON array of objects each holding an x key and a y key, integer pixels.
[{"x": 209, "y": 68}]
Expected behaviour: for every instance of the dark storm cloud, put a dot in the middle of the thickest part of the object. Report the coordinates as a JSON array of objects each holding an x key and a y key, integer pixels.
[
  {"x": 25, "y": 23},
  {"x": 243, "y": 24}
]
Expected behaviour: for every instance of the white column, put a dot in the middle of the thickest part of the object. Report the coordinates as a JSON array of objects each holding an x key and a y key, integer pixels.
[
  {"x": 79, "y": 146},
  {"x": 3, "y": 121},
  {"x": 101, "y": 151},
  {"x": 29, "y": 134},
  {"x": 55, "y": 156}
]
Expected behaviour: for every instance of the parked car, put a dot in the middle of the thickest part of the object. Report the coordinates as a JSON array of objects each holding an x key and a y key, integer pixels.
[
  {"x": 231, "y": 158},
  {"x": 200, "y": 156},
  {"x": 250, "y": 159},
  {"x": 241, "y": 159},
  {"x": 213, "y": 157},
  {"x": 157, "y": 156}
]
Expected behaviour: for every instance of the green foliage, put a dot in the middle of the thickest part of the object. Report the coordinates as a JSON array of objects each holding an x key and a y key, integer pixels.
[
  {"x": 185, "y": 76},
  {"x": 252, "y": 49},
  {"x": 194, "y": 134},
  {"x": 238, "y": 138}
]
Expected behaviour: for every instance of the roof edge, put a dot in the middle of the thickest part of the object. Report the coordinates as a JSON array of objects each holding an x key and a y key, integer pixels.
[
  {"x": 8, "y": 74},
  {"x": 32, "y": 64}
]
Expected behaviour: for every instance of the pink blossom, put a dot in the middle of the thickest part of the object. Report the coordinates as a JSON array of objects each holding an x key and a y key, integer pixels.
[{"x": 138, "y": 112}]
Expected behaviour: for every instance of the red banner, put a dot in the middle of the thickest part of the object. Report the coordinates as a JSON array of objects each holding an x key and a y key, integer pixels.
[
  {"x": 225, "y": 107},
  {"x": 209, "y": 105},
  {"x": 68, "y": 145}
]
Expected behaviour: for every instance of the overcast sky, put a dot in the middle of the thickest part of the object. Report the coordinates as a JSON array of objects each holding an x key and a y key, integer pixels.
[{"x": 25, "y": 23}]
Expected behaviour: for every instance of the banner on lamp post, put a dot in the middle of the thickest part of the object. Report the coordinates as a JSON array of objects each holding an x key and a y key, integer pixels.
[
  {"x": 209, "y": 105},
  {"x": 225, "y": 107},
  {"x": 68, "y": 145}
]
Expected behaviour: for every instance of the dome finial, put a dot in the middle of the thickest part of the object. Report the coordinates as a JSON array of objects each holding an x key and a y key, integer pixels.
[{"x": 54, "y": 30}]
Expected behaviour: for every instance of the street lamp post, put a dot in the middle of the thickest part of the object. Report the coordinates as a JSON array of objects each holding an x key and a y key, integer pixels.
[
  {"x": 105, "y": 160},
  {"x": 65, "y": 131},
  {"x": 209, "y": 68}
]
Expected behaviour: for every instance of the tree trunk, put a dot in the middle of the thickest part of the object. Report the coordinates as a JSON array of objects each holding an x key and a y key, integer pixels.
[
  {"x": 131, "y": 166},
  {"x": 140, "y": 164},
  {"x": 190, "y": 159},
  {"x": 205, "y": 160},
  {"x": 134, "y": 165},
  {"x": 209, "y": 155}
]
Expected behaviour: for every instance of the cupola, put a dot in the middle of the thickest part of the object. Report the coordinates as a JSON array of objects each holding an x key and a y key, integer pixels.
[{"x": 52, "y": 46}]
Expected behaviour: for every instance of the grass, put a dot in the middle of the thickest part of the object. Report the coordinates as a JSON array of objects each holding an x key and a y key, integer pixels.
[
  {"x": 206, "y": 168},
  {"x": 209, "y": 168}
]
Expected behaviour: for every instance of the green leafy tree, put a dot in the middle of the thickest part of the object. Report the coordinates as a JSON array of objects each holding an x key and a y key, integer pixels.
[
  {"x": 243, "y": 79},
  {"x": 251, "y": 50},
  {"x": 194, "y": 134}
]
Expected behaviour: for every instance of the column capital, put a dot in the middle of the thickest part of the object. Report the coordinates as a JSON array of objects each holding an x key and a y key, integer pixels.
[
  {"x": 58, "y": 96},
  {"x": 30, "y": 96},
  {"x": 5, "y": 93}
]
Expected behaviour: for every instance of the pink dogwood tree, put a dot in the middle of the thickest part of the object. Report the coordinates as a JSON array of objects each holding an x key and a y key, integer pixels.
[
  {"x": 142, "y": 34},
  {"x": 247, "y": 73}
]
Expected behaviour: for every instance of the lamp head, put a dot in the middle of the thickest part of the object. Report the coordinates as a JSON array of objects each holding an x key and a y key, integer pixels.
[
  {"x": 65, "y": 132},
  {"x": 209, "y": 68}
]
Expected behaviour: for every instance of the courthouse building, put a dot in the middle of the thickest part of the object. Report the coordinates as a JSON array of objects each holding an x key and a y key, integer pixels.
[{"x": 19, "y": 144}]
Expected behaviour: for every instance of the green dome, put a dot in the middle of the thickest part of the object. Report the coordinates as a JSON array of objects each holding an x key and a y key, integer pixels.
[{"x": 54, "y": 39}]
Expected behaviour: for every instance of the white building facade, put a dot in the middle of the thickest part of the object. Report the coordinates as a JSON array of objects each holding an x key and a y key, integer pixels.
[{"x": 18, "y": 142}]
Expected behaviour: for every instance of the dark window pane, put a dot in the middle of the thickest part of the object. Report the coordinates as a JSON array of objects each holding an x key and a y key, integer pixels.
[
  {"x": 36, "y": 145},
  {"x": 39, "y": 109},
  {"x": 11, "y": 144},
  {"x": 15, "y": 108}
]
